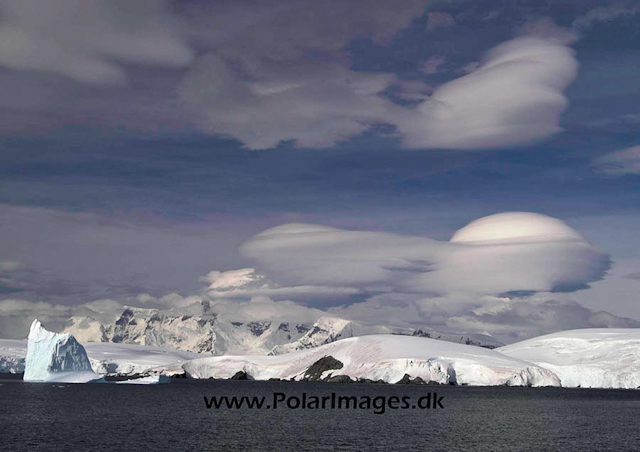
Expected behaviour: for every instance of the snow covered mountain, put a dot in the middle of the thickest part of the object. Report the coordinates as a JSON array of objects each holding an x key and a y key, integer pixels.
[
  {"x": 390, "y": 358},
  {"x": 586, "y": 358},
  {"x": 211, "y": 333},
  {"x": 12, "y": 356},
  {"x": 204, "y": 333},
  {"x": 56, "y": 357},
  {"x": 595, "y": 358},
  {"x": 329, "y": 329}
]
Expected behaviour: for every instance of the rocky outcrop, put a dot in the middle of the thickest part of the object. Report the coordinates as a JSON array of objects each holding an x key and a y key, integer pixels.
[{"x": 315, "y": 371}]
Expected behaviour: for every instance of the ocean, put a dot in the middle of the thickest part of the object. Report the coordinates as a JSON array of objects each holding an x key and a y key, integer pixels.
[{"x": 176, "y": 416}]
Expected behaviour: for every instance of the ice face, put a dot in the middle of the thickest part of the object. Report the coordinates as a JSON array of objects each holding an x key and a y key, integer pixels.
[{"x": 56, "y": 357}]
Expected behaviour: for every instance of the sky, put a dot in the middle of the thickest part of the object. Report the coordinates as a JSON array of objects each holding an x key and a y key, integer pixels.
[{"x": 471, "y": 166}]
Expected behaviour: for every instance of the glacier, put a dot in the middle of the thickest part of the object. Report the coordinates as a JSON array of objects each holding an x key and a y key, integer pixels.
[
  {"x": 56, "y": 357},
  {"x": 585, "y": 358},
  {"x": 388, "y": 358}
]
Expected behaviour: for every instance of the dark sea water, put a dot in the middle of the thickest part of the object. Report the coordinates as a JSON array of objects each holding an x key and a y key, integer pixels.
[{"x": 172, "y": 417}]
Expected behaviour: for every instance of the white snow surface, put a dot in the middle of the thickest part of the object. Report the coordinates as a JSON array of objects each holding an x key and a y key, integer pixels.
[
  {"x": 128, "y": 359},
  {"x": 148, "y": 380},
  {"x": 56, "y": 357},
  {"x": 586, "y": 358},
  {"x": 389, "y": 358}
]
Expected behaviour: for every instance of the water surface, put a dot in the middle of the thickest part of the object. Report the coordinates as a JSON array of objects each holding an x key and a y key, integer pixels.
[{"x": 106, "y": 417}]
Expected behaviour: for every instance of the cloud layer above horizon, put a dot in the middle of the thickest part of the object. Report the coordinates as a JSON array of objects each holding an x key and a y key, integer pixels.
[
  {"x": 286, "y": 69},
  {"x": 513, "y": 252},
  {"x": 494, "y": 276}
]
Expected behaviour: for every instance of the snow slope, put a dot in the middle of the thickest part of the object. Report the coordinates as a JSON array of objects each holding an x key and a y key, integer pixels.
[
  {"x": 329, "y": 329},
  {"x": 388, "y": 358},
  {"x": 127, "y": 359},
  {"x": 56, "y": 357},
  {"x": 586, "y": 358}
]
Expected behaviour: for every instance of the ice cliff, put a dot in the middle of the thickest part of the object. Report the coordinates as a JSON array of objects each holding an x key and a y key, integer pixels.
[{"x": 56, "y": 357}]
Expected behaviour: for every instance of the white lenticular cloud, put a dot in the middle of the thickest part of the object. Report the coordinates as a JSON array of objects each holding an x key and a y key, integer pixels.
[
  {"x": 504, "y": 253},
  {"x": 516, "y": 252},
  {"x": 514, "y": 97}
]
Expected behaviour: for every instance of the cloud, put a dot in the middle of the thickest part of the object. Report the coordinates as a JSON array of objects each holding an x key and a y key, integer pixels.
[
  {"x": 246, "y": 284},
  {"x": 264, "y": 308},
  {"x": 9, "y": 266},
  {"x": 504, "y": 253},
  {"x": 606, "y": 14},
  {"x": 312, "y": 103},
  {"x": 16, "y": 315},
  {"x": 633, "y": 276},
  {"x": 231, "y": 278},
  {"x": 513, "y": 320},
  {"x": 283, "y": 69},
  {"x": 168, "y": 301},
  {"x": 619, "y": 163},
  {"x": 494, "y": 276},
  {"x": 71, "y": 257},
  {"x": 545, "y": 28},
  {"x": 89, "y": 40},
  {"x": 432, "y": 65},
  {"x": 505, "y": 318},
  {"x": 437, "y": 19},
  {"x": 514, "y": 97}
]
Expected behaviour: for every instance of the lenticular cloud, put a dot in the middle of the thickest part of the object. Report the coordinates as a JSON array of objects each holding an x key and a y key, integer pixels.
[
  {"x": 516, "y": 96},
  {"x": 502, "y": 253}
]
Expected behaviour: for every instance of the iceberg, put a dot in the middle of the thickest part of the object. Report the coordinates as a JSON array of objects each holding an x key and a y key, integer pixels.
[
  {"x": 107, "y": 358},
  {"x": 56, "y": 357},
  {"x": 382, "y": 357},
  {"x": 585, "y": 358}
]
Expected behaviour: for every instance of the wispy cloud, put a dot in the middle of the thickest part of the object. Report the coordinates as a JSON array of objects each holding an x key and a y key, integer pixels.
[
  {"x": 89, "y": 40},
  {"x": 619, "y": 163}
]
